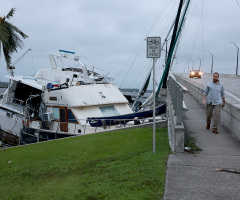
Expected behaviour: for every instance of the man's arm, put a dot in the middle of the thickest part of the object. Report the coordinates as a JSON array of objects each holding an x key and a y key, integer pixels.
[
  {"x": 204, "y": 99},
  {"x": 205, "y": 93},
  {"x": 223, "y": 96},
  {"x": 223, "y": 100}
]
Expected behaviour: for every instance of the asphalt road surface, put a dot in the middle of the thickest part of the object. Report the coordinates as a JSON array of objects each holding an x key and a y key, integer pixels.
[{"x": 231, "y": 84}]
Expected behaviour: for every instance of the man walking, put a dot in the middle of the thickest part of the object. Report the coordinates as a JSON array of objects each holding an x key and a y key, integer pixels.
[{"x": 215, "y": 94}]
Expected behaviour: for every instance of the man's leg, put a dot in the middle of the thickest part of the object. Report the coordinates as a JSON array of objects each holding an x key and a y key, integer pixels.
[
  {"x": 216, "y": 116},
  {"x": 209, "y": 112}
]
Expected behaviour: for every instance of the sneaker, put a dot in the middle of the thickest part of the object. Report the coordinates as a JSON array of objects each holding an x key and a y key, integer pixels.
[
  {"x": 215, "y": 131},
  {"x": 208, "y": 126}
]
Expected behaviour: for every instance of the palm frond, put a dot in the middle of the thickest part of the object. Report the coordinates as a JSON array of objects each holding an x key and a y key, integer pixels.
[
  {"x": 16, "y": 29},
  {"x": 10, "y": 14},
  {"x": 14, "y": 40},
  {"x": 3, "y": 34},
  {"x": 10, "y": 37},
  {"x": 6, "y": 55},
  {"x": 14, "y": 43}
]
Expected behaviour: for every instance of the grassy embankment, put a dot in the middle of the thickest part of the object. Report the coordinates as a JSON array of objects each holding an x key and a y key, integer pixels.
[{"x": 112, "y": 165}]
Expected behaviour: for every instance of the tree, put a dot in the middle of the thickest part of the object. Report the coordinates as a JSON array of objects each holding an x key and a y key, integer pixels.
[{"x": 10, "y": 37}]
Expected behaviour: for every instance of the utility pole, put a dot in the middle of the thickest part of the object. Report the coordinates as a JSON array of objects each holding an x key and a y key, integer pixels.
[
  {"x": 237, "y": 56},
  {"x": 200, "y": 63},
  {"x": 212, "y": 63}
]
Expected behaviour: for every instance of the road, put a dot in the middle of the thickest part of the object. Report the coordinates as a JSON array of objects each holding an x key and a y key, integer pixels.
[{"x": 231, "y": 84}]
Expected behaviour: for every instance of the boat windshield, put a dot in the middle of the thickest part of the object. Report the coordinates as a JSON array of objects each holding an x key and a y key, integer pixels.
[{"x": 109, "y": 111}]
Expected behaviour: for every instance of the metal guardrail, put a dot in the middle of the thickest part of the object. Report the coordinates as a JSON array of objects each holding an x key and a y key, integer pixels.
[{"x": 176, "y": 91}]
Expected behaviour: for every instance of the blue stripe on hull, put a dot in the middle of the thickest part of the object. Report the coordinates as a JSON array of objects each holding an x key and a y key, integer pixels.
[{"x": 100, "y": 121}]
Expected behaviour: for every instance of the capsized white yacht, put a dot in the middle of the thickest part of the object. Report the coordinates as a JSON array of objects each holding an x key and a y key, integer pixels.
[{"x": 62, "y": 101}]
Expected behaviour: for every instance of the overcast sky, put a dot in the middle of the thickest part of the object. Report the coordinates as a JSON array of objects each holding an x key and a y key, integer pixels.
[{"x": 112, "y": 34}]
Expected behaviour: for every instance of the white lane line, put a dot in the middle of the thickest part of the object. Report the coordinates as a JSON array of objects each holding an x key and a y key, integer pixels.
[{"x": 233, "y": 96}]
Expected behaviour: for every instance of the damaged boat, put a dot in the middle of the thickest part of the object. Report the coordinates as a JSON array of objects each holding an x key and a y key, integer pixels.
[{"x": 63, "y": 101}]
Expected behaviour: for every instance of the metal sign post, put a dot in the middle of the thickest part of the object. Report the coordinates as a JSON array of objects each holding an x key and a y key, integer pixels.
[{"x": 154, "y": 51}]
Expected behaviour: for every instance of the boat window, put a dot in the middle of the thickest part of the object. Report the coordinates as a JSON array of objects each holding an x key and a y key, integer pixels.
[
  {"x": 109, "y": 111},
  {"x": 71, "y": 117},
  {"x": 62, "y": 115},
  {"x": 56, "y": 113}
]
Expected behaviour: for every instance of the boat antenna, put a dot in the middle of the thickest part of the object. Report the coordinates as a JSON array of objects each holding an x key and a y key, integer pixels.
[
  {"x": 64, "y": 55},
  {"x": 12, "y": 67}
]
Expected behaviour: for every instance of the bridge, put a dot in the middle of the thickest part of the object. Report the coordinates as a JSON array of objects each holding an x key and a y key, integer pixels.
[
  {"x": 213, "y": 172},
  {"x": 230, "y": 117}
]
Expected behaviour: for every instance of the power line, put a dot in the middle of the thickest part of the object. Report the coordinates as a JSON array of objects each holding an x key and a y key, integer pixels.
[
  {"x": 195, "y": 38},
  {"x": 165, "y": 6},
  {"x": 237, "y": 3},
  {"x": 132, "y": 63}
]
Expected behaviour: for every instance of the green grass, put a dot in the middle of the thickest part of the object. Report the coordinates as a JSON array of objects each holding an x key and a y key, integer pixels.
[{"x": 112, "y": 165}]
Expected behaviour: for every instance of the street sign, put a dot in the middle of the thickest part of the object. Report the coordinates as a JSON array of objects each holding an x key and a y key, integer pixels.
[
  {"x": 153, "y": 47},
  {"x": 154, "y": 51}
]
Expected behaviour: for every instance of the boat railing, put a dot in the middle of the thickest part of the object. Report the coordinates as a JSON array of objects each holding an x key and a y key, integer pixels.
[
  {"x": 176, "y": 91},
  {"x": 39, "y": 133},
  {"x": 18, "y": 101},
  {"x": 97, "y": 125}
]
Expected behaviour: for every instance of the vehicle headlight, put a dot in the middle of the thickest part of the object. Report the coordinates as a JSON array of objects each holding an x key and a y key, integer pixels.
[
  {"x": 192, "y": 73},
  {"x": 200, "y": 73}
]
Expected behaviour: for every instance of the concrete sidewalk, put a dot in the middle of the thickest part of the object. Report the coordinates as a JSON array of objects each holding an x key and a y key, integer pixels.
[{"x": 192, "y": 176}]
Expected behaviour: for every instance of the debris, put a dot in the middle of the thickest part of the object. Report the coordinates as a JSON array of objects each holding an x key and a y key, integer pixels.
[
  {"x": 187, "y": 148},
  {"x": 190, "y": 150},
  {"x": 10, "y": 139},
  {"x": 226, "y": 170}
]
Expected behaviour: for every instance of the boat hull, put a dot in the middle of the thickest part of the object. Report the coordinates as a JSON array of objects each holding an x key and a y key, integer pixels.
[
  {"x": 10, "y": 122},
  {"x": 121, "y": 119}
]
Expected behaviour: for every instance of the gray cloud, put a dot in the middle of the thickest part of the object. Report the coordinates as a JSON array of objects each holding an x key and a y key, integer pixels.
[{"x": 111, "y": 32}]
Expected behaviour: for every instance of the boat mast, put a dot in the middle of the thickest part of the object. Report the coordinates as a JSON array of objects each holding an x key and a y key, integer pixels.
[
  {"x": 165, "y": 74},
  {"x": 145, "y": 85},
  {"x": 170, "y": 53},
  {"x": 141, "y": 92},
  {"x": 172, "y": 42}
]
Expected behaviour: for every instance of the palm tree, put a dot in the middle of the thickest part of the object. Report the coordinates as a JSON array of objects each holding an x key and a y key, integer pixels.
[{"x": 10, "y": 37}]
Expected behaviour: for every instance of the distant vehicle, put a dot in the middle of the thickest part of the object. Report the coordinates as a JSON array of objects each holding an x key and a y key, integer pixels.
[{"x": 195, "y": 73}]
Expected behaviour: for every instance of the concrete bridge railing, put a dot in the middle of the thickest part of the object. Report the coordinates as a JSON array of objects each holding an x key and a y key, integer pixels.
[
  {"x": 176, "y": 131},
  {"x": 230, "y": 115}
]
